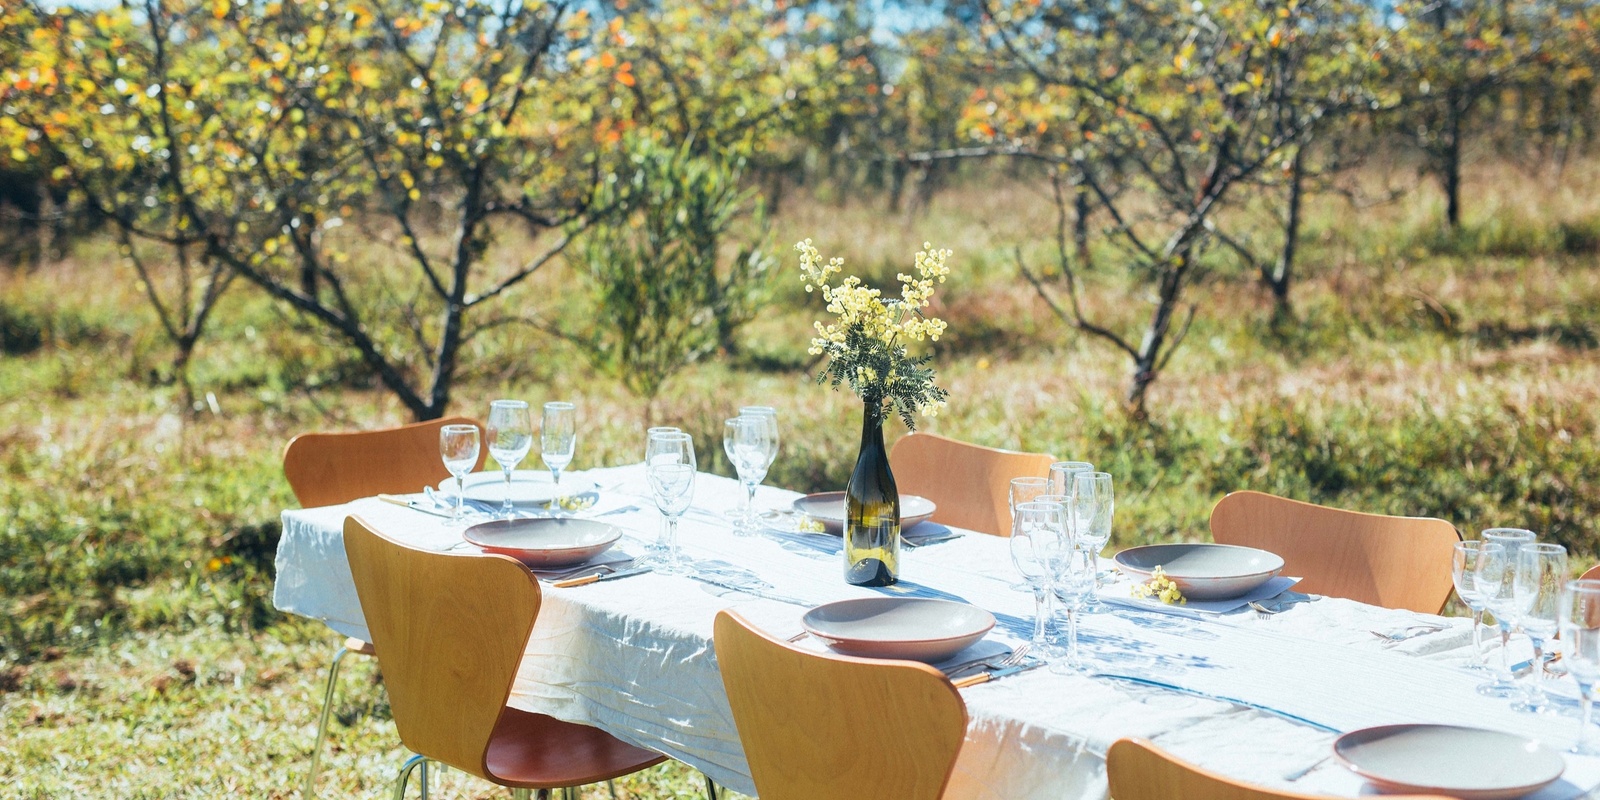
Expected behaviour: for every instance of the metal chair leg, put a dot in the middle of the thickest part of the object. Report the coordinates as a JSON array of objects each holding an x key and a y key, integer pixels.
[
  {"x": 423, "y": 774},
  {"x": 611, "y": 786},
  {"x": 405, "y": 775},
  {"x": 322, "y": 722},
  {"x": 712, "y": 792},
  {"x": 520, "y": 794}
]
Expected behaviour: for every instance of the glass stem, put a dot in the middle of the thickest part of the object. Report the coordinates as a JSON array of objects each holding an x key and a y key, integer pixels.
[
  {"x": 1536, "y": 695},
  {"x": 1072, "y": 637},
  {"x": 461, "y": 496},
  {"x": 750, "y": 502},
  {"x": 555, "y": 476},
  {"x": 1477, "y": 638},
  {"x": 672, "y": 540},
  {"x": 1505, "y": 651},
  {"x": 1041, "y": 602},
  {"x": 505, "y": 507},
  {"x": 1586, "y": 703}
]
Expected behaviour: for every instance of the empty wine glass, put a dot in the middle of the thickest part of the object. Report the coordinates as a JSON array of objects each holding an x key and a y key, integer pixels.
[
  {"x": 670, "y": 467},
  {"x": 1498, "y": 591},
  {"x": 750, "y": 443},
  {"x": 1463, "y": 565},
  {"x": 1062, "y": 473},
  {"x": 1037, "y": 534},
  {"x": 1027, "y": 490},
  {"x": 1094, "y": 505},
  {"x": 771, "y": 415},
  {"x": 1580, "y": 651},
  {"x": 458, "y": 446},
  {"x": 1541, "y": 571},
  {"x": 510, "y": 439},
  {"x": 1074, "y": 574},
  {"x": 558, "y": 438}
]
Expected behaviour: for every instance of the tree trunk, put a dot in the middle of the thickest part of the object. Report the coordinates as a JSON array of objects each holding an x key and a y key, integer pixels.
[
  {"x": 1282, "y": 272},
  {"x": 1450, "y": 163},
  {"x": 1080, "y": 222}
]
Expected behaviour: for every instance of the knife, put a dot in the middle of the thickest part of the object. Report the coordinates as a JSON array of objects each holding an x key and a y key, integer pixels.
[
  {"x": 974, "y": 662},
  {"x": 599, "y": 576},
  {"x": 995, "y": 675},
  {"x": 411, "y": 504}
]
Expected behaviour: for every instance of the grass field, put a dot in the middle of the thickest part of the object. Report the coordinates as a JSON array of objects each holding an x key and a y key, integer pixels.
[{"x": 1449, "y": 375}]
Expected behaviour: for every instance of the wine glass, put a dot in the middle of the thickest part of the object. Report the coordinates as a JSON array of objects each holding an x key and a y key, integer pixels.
[
  {"x": 1463, "y": 564},
  {"x": 670, "y": 466},
  {"x": 1580, "y": 651},
  {"x": 458, "y": 446},
  {"x": 1540, "y": 572},
  {"x": 1498, "y": 591},
  {"x": 1062, "y": 472},
  {"x": 1075, "y": 572},
  {"x": 558, "y": 438},
  {"x": 1094, "y": 504},
  {"x": 750, "y": 445},
  {"x": 1037, "y": 533},
  {"x": 1027, "y": 490},
  {"x": 771, "y": 415},
  {"x": 510, "y": 439}
]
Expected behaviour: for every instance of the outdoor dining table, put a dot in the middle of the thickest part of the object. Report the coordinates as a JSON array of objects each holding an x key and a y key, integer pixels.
[{"x": 1254, "y": 696}]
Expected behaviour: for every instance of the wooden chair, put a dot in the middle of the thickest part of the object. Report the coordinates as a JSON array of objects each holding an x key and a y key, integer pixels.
[
  {"x": 818, "y": 725},
  {"x": 1138, "y": 770},
  {"x": 1394, "y": 562},
  {"x": 970, "y": 484},
  {"x": 327, "y": 469},
  {"x": 450, "y": 630},
  {"x": 1591, "y": 574}
]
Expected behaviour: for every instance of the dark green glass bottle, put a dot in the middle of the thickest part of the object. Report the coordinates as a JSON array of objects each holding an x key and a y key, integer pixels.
[{"x": 872, "y": 510}]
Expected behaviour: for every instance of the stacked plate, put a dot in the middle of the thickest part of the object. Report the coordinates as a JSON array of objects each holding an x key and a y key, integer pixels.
[
  {"x": 547, "y": 542},
  {"x": 1203, "y": 571},
  {"x": 530, "y": 488},
  {"x": 912, "y": 628},
  {"x": 829, "y": 509}
]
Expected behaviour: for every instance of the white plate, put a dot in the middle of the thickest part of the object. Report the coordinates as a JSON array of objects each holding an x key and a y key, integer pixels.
[
  {"x": 529, "y": 487},
  {"x": 914, "y": 628},
  {"x": 829, "y": 509},
  {"x": 1203, "y": 571},
  {"x": 1468, "y": 763},
  {"x": 545, "y": 543}
]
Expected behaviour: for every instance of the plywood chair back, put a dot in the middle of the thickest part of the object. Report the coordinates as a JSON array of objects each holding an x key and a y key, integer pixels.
[
  {"x": 818, "y": 725},
  {"x": 1591, "y": 574},
  {"x": 1138, "y": 770},
  {"x": 970, "y": 484},
  {"x": 1394, "y": 562},
  {"x": 326, "y": 469},
  {"x": 449, "y": 631}
]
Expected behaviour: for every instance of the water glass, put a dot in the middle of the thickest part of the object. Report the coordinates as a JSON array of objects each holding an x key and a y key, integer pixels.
[
  {"x": 558, "y": 438},
  {"x": 510, "y": 439},
  {"x": 1541, "y": 571},
  {"x": 1074, "y": 574},
  {"x": 670, "y": 467},
  {"x": 751, "y": 443},
  {"x": 458, "y": 446},
  {"x": 1580, "y": 651},
  {"x": 1038, "y": 534},
  {"x": 1463, "y": 565},
  {"x": 1062, "y": 474},
  {"x": 1027, "y": 490},
  {"x": 1094, "y": 504},
  {"x": 1498, "y": 597}
]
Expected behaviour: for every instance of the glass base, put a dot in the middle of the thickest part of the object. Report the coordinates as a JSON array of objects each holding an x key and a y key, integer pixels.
[{"x": 1500, "y": 688}]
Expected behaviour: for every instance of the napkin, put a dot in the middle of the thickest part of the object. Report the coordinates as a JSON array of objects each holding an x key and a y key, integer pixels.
[
  {"x": 615, "y": 555},
  {"x": 1117, "y": 595}
]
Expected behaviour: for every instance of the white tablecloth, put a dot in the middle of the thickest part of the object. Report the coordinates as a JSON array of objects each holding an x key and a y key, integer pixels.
[{"x": 1256, "y": 697}]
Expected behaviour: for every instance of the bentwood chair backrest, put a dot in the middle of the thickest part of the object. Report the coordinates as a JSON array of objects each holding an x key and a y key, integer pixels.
[
  {"x": 970, "y": 484},
  {"x": 1137, "y": 770},
  {"x": 1394, "y": 562},
  {"x": 326, "y": 469},
  {"x": 820, "y": 725},
  {"x": 449, "y": 631},
  {"x": 1591, "y": 574}
]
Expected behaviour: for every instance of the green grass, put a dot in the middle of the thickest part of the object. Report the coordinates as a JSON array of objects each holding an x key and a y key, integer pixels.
[{"x": 1455, "y": 377}]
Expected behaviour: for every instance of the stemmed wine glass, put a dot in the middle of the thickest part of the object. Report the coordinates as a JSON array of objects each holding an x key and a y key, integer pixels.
[
  {"x": 670, "y": 465},
  {"x": 1037, "y": 534},
  {"x": 771, "y": 415},
  {"x": 1076, "y": 570},
  {"x": 1463, "y": 566},
  {"x": 1495, "y": 580},
  {"x": 558, "y": 438},
  {"x": 510, "y": 439},
  {"x": 1580, "y": 651},
  {"x": 458, "y": 446},
  {"x": 1027, "y": 490},
  {"x": 1063, "y": 472},
  {"x": 1541, "y": 570},
  {"x": 750, "y": 444},
  {"x": 1094, "y": 504}
]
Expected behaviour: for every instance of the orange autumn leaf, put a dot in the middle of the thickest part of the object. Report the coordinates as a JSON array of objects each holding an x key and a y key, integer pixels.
[{"x": 625, "y": 78}]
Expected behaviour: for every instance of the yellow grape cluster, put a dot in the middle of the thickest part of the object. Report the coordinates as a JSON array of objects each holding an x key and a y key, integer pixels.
[
  {"x": 863, "y": 307},
  {"x": 1160, "y": 587}
]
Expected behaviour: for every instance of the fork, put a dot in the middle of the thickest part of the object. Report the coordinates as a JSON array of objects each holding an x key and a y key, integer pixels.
[
  {"x": 1014, "y": 659},
  {"x": 1408, "y": 633}
]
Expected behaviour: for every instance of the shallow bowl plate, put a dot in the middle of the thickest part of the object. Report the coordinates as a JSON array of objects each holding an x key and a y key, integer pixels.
[
  {"x": 1203, "y": 571},
  {"x": 545, "y": 543},
  {"x": 828, "y": 508},
  {"x": 1468, "y": 763},
  {"x": 913, "y": 628},
  {"x": 530, "y": 488}
]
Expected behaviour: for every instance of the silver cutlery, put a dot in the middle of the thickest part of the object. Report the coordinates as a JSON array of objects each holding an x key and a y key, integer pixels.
[
  {"x": 994, "y": 675},
  {"x": 600, "y": 576},
  {"x": 797, "y": 637},
  {"x": 1265, "y": 611},
  {"x": 999, "y": 661},
  {"x": 1306, "y": 770},
  {"x": 413, "y": 505},
  {"x": 1412, "y": 632}
]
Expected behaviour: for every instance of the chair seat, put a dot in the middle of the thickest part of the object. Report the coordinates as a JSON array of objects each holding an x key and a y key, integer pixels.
[{"x": 534, "y": 751}]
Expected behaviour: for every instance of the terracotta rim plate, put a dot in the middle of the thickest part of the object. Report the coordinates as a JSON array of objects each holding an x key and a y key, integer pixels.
[
  {"x": 1203, "y": 571},
  {"x": 530, "y": 488},
  {"x": 828, "y": 509},
  {"x": 1467, "y": 763},
  {"x": 912, "y": 628},
  {"x": 544, "y": 543}
]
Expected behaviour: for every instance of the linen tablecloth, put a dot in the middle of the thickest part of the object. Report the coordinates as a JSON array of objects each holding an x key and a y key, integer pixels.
[{"x": 1256, "y": 697}]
